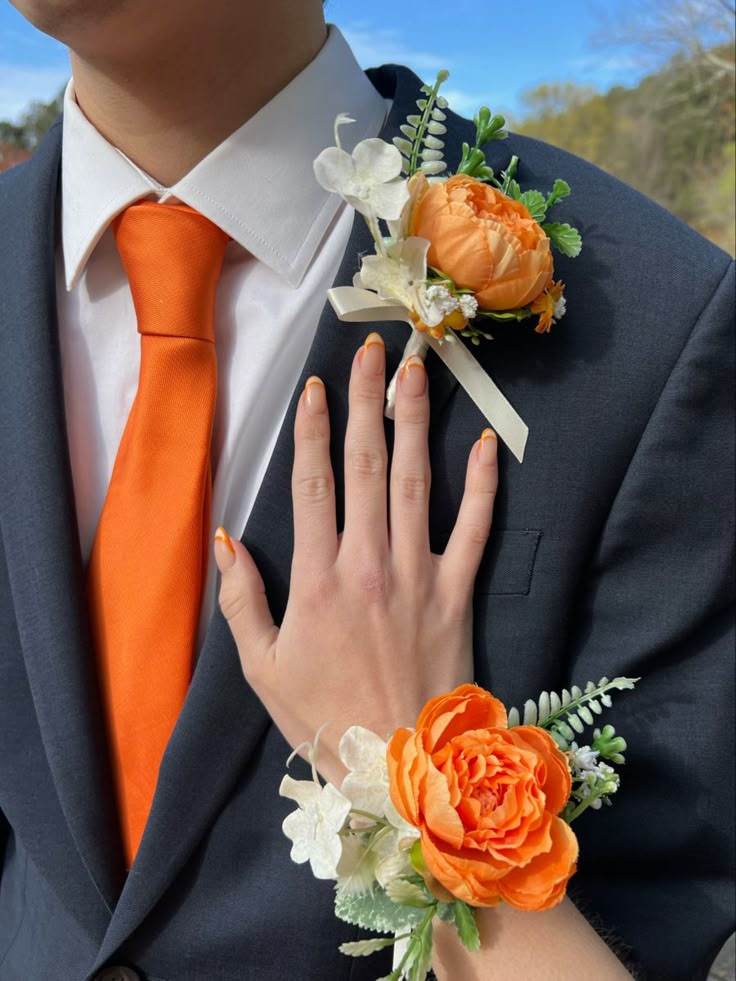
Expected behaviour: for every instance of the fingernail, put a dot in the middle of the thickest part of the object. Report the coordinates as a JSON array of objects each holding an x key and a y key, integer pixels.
[
  {"x": 224, "y": 550},
  {"x": 413, "y": 377},
  {"x": 487, "y": 449},
  {"x": 373, "y": 355},
  {"x": 314, "y": 395}
]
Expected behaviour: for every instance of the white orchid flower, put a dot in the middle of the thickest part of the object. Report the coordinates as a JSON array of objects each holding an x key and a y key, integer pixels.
[
  {"x": 367, "y": 783},
  {"x": 368, "y": 178},
  {"x": 400, "y": 275},
  {"x": 315, "y": 828},
  {"x": 364, "y": 755}
]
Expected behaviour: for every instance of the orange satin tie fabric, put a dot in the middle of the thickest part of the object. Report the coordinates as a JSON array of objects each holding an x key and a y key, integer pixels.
[{"x": 149, "y": 558}]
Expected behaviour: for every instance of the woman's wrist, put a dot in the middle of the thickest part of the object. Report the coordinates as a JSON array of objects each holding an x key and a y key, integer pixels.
[{"x": 518, "y": 945}]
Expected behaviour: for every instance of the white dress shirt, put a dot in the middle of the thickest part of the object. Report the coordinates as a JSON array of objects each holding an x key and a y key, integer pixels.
[{"x": 288, "y": 239}]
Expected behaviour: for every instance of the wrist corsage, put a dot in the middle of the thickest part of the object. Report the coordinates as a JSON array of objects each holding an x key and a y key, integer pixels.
[
  {"x": 470, "y": 808},
  {"x": 453, "y": 252}
]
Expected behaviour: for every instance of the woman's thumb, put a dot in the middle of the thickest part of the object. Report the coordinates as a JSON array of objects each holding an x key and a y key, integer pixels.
[{"x": 243, "y": 599}]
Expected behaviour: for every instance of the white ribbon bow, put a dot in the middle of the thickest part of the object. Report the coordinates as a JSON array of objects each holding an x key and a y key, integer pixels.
[{"x": 361, "y": 306}]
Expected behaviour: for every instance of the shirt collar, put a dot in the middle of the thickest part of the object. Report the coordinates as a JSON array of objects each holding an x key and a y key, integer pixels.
[{"x": 258, "y": 185}]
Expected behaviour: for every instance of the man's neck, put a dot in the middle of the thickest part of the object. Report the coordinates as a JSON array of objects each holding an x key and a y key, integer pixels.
[{"x": 175, "y": 103}]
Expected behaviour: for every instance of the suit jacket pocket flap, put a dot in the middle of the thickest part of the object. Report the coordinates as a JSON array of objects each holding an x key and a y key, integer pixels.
[{"x": 508, "y": 563}]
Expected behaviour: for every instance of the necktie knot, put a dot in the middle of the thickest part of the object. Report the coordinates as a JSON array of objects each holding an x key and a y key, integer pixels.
[{"x": 172, "y": 256}]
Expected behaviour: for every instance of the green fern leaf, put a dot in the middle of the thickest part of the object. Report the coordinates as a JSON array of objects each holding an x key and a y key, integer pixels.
[
  {"x": 530, "y": 713},
  {"x": 564, "y": 729},
  {"x": 544, "y": 706},
  {"x": 586, "y": 715}
]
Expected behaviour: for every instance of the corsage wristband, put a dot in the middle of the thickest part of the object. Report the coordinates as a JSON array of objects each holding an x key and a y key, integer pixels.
[{"x": 470, "y": 808}]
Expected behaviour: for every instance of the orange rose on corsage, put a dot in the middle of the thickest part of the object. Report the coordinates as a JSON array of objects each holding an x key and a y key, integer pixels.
[
  {"x": 470, "y": 808},
  {"x": 486, "y": 801}
]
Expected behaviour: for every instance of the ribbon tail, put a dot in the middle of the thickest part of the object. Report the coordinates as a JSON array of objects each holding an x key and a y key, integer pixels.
[{"x": 481, "y": 388}]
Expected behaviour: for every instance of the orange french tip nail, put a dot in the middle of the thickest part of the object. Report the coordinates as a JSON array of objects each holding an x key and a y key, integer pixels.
[
  {"x": 222, "y": 536},
  {"x": 372, "y": 339},
  {"x": 487, "y": 434},
  {"x": 413, "y": 362}
]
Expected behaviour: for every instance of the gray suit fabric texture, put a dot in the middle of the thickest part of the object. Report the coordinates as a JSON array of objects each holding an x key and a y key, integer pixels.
[{"x": 610, "y": 555}]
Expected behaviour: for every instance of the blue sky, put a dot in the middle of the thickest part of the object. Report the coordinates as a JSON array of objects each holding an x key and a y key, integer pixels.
[{"x": 494, "y": 52}]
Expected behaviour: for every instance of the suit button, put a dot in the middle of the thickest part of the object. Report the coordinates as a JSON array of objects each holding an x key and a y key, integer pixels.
[{"x": 117, "y": 974}]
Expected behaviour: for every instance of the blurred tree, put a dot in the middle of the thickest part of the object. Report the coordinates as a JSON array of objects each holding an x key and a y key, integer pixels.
[
  {"x": 35, "y": 121},
  {"x": 671, "y": 137},
  {"x": 658, "y": 30}
]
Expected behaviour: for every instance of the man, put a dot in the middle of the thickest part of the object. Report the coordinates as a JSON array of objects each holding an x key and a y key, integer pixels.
[{"x": 610, "y": 547}]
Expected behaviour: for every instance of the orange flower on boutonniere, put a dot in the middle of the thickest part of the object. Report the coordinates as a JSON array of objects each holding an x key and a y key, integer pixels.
[
  {"x": 484, "y": 241},
  {"x": 550, "y": 305},
  {"x": 486, "y": 801}
]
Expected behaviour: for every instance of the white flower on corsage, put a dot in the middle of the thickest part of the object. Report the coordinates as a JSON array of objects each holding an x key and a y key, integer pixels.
[
  {"x": 367, "y": 785},
  {"x": 367, "y": 178},
  {"x": 315, "y": 828},
  {"x": 400, "y": 274}
]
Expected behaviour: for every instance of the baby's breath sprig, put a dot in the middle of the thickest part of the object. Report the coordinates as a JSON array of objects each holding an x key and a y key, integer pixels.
[
  {"x": 422, "y": 134},
  {"x": 593, "y": 783}
]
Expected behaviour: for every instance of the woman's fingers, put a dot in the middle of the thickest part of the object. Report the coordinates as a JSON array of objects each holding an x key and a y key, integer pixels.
[
  {"x": 313, "y": 484},
  {"x": 243, "y": 600},
  {"x": 410, "y": 472},
  {"x": 365, "y": 452},
  {"x": 459, "y": 564}
]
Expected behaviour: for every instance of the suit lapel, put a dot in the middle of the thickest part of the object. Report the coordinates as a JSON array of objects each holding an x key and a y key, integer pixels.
[
  {"x": 40, "y": 538},
  {"x": 222, "y": 721}
]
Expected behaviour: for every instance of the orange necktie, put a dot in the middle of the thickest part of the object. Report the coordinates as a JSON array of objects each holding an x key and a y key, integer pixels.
[{"x": 149, "y": 558}]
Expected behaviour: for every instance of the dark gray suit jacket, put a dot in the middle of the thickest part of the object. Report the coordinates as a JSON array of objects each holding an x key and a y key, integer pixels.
[{"x": 610, "y": 554}]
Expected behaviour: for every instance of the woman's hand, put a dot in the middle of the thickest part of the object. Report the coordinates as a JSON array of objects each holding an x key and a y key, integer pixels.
[{"x": 375, "y": 624}]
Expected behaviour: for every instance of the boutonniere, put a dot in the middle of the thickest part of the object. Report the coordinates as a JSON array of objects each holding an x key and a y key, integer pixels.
[
  {"x": 453, "y": 252},
  {"x": 470, "y": 808}
]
